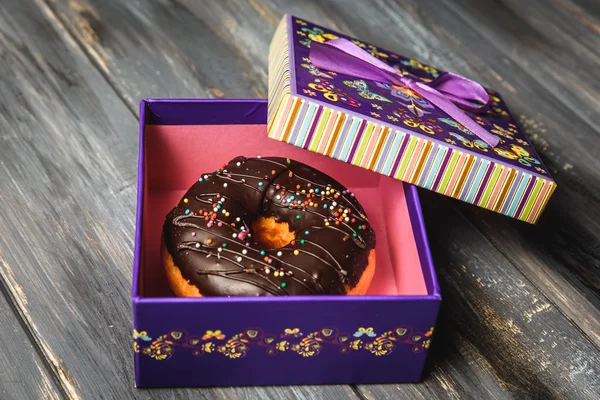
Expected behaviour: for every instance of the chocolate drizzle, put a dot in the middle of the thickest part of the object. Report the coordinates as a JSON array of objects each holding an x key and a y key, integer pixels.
[{"x": 208, "y": 232}]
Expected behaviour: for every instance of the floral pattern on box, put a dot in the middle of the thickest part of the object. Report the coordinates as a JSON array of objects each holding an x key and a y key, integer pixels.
[
  {"x": 291, "y": 340},
  {"x": 404, "y": 108}
]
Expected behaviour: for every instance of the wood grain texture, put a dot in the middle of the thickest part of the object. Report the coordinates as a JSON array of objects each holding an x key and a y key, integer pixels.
[
  {"x": 160, "y": 49},
  {"x": 68, "y": 152},
  {"x": 521, "y": 310},
  {"x": 23, "y": 374},
  {"x": 497, "y": 335}
]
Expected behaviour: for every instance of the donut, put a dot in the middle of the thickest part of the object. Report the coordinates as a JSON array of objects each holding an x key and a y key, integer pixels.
[{"x": 268, "y": 226}]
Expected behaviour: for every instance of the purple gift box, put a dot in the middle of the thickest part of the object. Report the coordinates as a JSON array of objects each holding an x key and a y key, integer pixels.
[
  {"x": 395, "y": 128},
  {"x": 221, "y": 341}
]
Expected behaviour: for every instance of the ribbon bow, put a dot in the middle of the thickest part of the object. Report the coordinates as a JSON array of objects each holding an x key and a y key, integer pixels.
[{"x": 446, "y": 91}]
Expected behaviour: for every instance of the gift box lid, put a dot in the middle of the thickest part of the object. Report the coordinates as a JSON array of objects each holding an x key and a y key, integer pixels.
[{"x": 393, "y": 130}]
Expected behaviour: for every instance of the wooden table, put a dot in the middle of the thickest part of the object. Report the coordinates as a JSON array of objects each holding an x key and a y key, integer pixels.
[{"x": 521, "y": 310}]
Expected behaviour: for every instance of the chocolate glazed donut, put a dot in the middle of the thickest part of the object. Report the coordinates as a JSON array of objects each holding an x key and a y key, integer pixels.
[{"x": 268, "y": 226}]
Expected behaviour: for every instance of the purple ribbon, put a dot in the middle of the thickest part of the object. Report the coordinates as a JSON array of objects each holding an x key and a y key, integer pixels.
[{"x": 446, "y": 91}]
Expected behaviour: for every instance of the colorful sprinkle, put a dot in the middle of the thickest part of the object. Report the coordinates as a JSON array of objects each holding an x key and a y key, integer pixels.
[
  {"x": 220, "y": 224},
  {"x": 306, "y": 233},
  {"x": 355, "y": 234},
  {"x": 225, "y": 184},
  {"x": 276, "y": 273},
  {"x": 302, "y": 241},
  {"x": 193, "y": 233},
  {"x": 201, "y": 180},
  {"x": 239, "y": 259},
  {"x": 292, "y": 197},
  {"x": 279, "y": 254},
  {"x": 308, "y": 184},
  {"x": 185, "y": 200},
  {"x": 273, "y": 172},
  {"x": 288, "y": 160},
  {"x": 298, "y": 216},
  {"x": 219, "y": 249},
  {"x": 208, "y": 241},
  {"x": 325, "y": 206},
  {"x": 296, "y": 252},
  {"x": 260, "y": 183},
  {"x": 227, "y": 214},
  {"x": 187, "y": 212},
  {"x": 197, "y": 245},
  {"x": 262, "y": 252},
  {"x": 234, "y": 235},
  {"x": 224, "y": 244},
  {"x": 283, "y": 284}
]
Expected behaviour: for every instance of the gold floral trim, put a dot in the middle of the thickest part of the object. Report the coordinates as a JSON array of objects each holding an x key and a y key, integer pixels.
[{"x": 290, "y": 340}]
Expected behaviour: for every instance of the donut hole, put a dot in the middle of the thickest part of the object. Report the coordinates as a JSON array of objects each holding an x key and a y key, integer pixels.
[{"x": 271, "y": 234}]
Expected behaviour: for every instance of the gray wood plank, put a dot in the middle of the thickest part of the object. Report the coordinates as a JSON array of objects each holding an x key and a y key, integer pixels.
[
  {"x": 248, "y": 18},
  {"x": 473, "y": 359},
  {"x": 69, "y": 151},
  {"x": 192, "y": 61},
  {"x": 549, "y": 44},
  {"x": 497, "y": 335},
  {"x": 583, "y": 8},
  {"x": 23, "y": 374}
]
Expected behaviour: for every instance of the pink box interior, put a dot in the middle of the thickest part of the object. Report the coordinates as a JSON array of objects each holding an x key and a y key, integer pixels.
[{"x": 176, "y": 155}]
